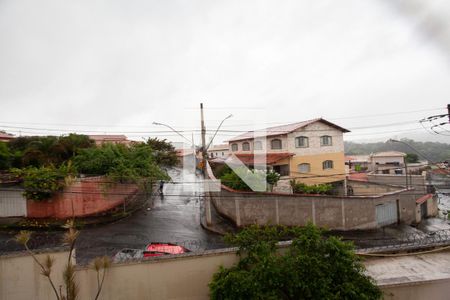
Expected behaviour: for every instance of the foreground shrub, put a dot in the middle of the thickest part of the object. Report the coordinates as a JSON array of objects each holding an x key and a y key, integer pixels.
[{"x": 313, "y": 267}]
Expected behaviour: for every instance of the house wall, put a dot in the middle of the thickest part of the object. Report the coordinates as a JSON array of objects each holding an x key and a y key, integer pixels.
[
  {"x": 187, "y": 277},
  {"x": 84, "y": 197},
  {"x": 314, "y": 131},
  {"x": 317, "y": 175}
]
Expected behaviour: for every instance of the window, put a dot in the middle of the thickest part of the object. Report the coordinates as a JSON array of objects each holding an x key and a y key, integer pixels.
[
  {"x": 257, "y": 145},
  {"x": 275, "y": 144},
  {"x": 325, "y": 140},
  {"x": 223, "y": 154},
  {"x": 301, "y": 142},
  {"x": 328, "y": 164},
  {"x": 234, "y": 147},
  {"x": 304, "y": 168},
  {"x": 245, "y": 146}
]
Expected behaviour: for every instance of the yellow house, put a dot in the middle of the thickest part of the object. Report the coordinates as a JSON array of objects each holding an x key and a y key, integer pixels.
[{"x": 311, "y": 151}]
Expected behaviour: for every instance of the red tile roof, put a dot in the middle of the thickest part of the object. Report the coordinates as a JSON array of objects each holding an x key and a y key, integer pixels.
[
  {"x": 424, "y": 198},
  {"x": 6, "y": 136},
  {"x": 358, "y": 176},
  {"x": 283, "y": 129},
  {"x": 252, "y": 159}
]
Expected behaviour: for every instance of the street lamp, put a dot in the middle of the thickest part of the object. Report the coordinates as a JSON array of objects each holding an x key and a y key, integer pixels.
[
  {"x": 217, "y": 130},
  {"x": 171, "y": 128},
  {"x": 404, "y": 158},
  {"x": 418, "y": 152}
]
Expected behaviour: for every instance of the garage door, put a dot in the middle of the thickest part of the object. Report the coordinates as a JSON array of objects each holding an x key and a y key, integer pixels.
[
  {"x": 12, "y": 203},
  {"x": 387, "y": 213}
]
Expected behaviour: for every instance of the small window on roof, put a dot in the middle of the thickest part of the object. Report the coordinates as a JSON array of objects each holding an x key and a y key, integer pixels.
[{"x": 245, "y": 146}]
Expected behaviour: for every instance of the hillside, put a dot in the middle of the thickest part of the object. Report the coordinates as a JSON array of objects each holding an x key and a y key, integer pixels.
[{"x": 433, "y": 151}]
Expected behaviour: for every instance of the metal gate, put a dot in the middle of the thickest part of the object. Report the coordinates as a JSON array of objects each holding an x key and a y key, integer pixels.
[
  {"x": 424, "y": 210},
  {"x": 387, "y": 214},
  {"x": 12, "y": 203}
]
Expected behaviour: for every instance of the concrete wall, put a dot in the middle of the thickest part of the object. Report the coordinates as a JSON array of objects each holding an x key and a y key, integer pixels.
[
  {"x": 187, "y": 277},
  {"x": 20, "y": 277},
  {"x": 362, "y": 188},
  {"x": 417, "y": 181},
  {"x": 87, "y": 196},
  {"x": 333, "y": 212}
]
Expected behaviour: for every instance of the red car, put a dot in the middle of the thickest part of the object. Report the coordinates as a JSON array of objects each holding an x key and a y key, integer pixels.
[{"x": 159, "y": 249}]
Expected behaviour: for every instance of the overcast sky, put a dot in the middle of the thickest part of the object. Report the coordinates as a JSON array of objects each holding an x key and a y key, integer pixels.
[{"x": 117, "y": 66}]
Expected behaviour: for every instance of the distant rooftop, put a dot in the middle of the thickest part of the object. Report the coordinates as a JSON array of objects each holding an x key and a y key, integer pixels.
[
  {"x": 110, "y": 138},
  {"x": 6, "y": 136},
  {"x": 409, "y": 270},
  {"x": 388, "y": 154},
  {"x": 219, "y": 147}
]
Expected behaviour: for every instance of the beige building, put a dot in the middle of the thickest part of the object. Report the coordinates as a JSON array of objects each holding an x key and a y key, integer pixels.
[
  {"x": 100, "y": 139},
  {"x": 310, "y": 151},
  {"x": 388, "y": 162},
  {"x": 219, "y": 151}
]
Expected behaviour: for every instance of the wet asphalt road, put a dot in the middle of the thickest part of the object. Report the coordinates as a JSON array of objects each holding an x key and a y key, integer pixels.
[{"x": 174, "y": 218}]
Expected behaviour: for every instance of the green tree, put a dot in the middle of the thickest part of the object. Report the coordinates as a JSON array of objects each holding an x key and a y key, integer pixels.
[
  {"x": 412, "y": 158},
  {"x": 165, "y": 154},
  {"x": 40, "y": 152},
  {"x": 43, "y": 182},
  {"x": 313, "y": 267},
  {"x": 69, "y": 146},
  {"x": 120, "y": 162},
  {"x": 229, "y": 178},
  {"x": 5, "y": 156}
]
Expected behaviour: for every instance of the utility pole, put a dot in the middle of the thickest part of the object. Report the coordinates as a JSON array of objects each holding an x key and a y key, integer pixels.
[
  {"x": 207, "y": 199},
  {"x": 448, "y": 109},
  {"x": 203, "y": 141}
]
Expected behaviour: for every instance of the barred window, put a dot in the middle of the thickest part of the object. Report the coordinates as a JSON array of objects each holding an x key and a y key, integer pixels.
[
  {"x": 275, "y": 144},
  {"x": 328, "y": 164},
  {"x": 304, "y": 168},
  {"x": 301, "y": 142},
  {"x": 326, "y": 140}
]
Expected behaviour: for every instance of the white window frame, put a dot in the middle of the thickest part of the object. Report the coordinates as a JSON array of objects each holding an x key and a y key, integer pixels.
[
  {"x": 234, "y": 147},
  {"x": 244, "y": 144}
]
